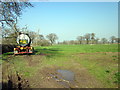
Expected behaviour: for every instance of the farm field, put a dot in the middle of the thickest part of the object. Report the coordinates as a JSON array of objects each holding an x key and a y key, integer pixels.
[{"x": 63, "y": 66}]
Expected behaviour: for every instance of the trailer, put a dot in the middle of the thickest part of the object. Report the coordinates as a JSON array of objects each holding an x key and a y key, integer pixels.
[{"x": 24, "y": 42}]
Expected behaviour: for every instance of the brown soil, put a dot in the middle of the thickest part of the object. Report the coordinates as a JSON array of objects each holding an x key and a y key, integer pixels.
[
  {"x": 42, "y": 78},
  {"x": 14, "y": 80}
]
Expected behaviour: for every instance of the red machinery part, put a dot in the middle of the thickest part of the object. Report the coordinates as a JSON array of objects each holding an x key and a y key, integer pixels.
[{"x": 27, "y": 50}]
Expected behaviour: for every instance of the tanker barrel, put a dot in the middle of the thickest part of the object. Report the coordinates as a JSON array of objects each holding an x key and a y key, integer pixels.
[{"x": 23, "y": 39}]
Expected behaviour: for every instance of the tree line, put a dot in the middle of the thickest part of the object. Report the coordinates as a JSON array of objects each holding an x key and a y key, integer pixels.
[
  {"x": 90, "y": 38},
  {"x": 9, "y": 37}
]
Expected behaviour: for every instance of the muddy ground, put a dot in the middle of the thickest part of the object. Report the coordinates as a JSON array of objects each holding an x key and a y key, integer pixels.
[{"x": 38, "y": 75}]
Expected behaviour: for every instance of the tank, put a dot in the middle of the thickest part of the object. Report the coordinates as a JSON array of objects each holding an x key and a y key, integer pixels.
[{"x": 23, "y": 39}]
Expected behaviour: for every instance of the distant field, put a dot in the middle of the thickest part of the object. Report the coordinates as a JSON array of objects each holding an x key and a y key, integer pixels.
[
  {"x": 94, "y": 66},
  {"x": 83, "y": 48}
]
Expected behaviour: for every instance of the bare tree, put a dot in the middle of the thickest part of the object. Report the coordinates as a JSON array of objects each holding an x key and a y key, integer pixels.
[
  {"x": 8, "y": 36},
  {"x": 104, "y": 40},
  {"x": 87, "y": 37},
  {"x": 96, "y": 40},
  {"x": 92, "y": 37},
  {"x": 41, "y": 37},
  {"x": 9, "y": 11},
  {"x": 52, "y": 38},
  {"x": 42, "y": 41},
  {"x": 80, "y": 39},
  {"x": 65, "y": 42},
  {"x": 112, "y": 38},
  {"x": 32, "y": 35},
  {"x": 117, "y": 40}
]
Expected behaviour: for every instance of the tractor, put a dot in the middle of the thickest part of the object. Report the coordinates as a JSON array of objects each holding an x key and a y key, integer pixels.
[{"x": 23, "y": 47}]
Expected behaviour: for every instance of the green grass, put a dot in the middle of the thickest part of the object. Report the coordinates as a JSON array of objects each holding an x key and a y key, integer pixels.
[
  {"x": 102, "y": 73},
  {"x": 69, "y": 49},
  {"x": 0, "y": 59},
  {"x": 65, "y": 55}
]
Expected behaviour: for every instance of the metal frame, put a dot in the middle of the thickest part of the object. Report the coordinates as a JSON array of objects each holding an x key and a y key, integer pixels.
[{"x": 26, "y": 48}]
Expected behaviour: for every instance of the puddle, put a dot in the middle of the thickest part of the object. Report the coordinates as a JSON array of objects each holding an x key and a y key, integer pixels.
[{"x": 64, "y": 77}]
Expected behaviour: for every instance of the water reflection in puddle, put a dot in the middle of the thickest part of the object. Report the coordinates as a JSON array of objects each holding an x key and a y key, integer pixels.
[{"x": 64, "y": 77}]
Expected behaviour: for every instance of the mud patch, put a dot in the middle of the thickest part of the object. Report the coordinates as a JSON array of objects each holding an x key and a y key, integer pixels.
[
  {"x": 64, "y": 77},
  {"x": 33, "y": 60},
  {"x": 15, "y": 81}
]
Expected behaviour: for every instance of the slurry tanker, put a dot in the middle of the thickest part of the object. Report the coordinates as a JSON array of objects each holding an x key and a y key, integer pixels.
[{"x": 23, "y": 41}]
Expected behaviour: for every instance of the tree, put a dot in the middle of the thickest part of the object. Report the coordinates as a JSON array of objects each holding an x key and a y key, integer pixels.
[
  {"x": 112, "y": 38},
  {"x": 42, "y": 41},
  {"x": 8, "y": 36},
  {"x": 92, "y": 37},
  {"x": 9, "y": 11},
  {"x": 87, "y": 37},
  {"x": 65, "y": 42},
  {"x": 96, "y": 40},
  {"x": 117, "y": 40},
  {"x": 52, "y": 38},
  {"x": 32, "y": 35},
  {"x": 80, "y": 39},
  {"x": 41, "y": 37},
  {"x": 104, "y": 40},
  {"x": 72, "y": 42}
]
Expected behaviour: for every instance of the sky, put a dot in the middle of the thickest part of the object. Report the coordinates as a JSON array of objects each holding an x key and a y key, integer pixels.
[
  {"x": 73, "y": 0},
  {"x": 71, "y": 19}
]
